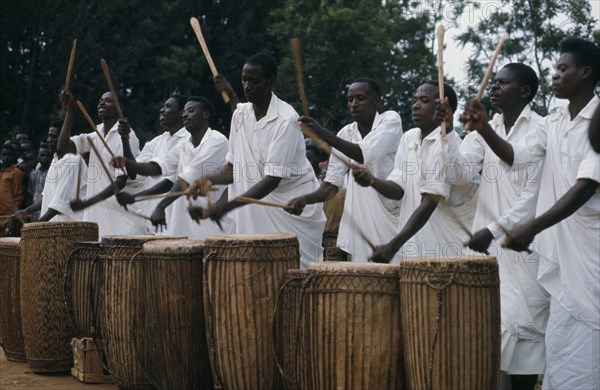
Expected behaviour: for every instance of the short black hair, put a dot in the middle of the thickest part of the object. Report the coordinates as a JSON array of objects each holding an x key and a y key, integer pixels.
[
  {"x": 525, "y": 75},
  {"x": 205, "y": 103},
  {"x": 181, "y": 100},
  {"x": 321, "y": 155},
  {"x": 448, "y": 92},
  {"x": 586, "y": 53},
  {"x": 9, "y": 146},
  {"x": 267, "y": 63},
  {"x": 56, "y": 124},
  {"x": 372, "y": 84}
]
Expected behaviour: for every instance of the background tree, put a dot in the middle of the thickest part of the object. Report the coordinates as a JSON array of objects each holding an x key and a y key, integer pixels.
[
  {"x": 533, "y": 29},
  {"x": 346, "y": 39}
]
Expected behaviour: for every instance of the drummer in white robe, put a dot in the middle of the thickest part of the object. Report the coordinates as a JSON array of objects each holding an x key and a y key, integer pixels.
[
  {"x": 569, "y": 266},
  {"x": 432, "y": 209},
  {"x": 201, "y": 154},
  {"x": 506, "y": 199},
  {"x": 100, "y": 206},
  {"x": 372, "y": 141},
  {"x": 267, "y": 160},
  {"x": 149, "y": 162}
]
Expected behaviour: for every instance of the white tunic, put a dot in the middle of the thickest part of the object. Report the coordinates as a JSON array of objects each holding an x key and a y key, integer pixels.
[
  {"x": 108, "y": 214},
  {"x": 364, "y": 207},
  {"x": 155, "y": 151},
  {"x": 189, "y": 163},
  {"x": 505, "y": 200},
  {"x": 569, "y": 251},
  {"x": 60, "y": 187},
  {"x": 426, "y": 167},
  {"x": 274, "y": 146}
]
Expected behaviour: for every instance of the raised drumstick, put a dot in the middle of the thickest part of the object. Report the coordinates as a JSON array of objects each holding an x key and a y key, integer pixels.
[
  {"x": 196, "y": 27},
  {"x": 158, "y": 196},
  {"x": 70, "y": 67},
  {"x": 111, "y": 87},
  {"x": 296, "y": 53},
  {"x": 488, "y": 74},
  {"x": 324, "y": 146},
  {"x": 112, "y": 182},
  {"x": 440, "y": 43}
]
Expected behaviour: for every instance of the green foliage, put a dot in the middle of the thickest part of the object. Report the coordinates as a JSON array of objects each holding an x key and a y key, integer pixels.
[
  {"x": 344, "y": 40},
  {"x": 533, "y": 29}
]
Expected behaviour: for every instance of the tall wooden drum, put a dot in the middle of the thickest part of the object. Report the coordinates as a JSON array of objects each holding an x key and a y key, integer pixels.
[
  {"x": 451, "y": 322},
  {"x": 350, "y": 323},
  {"x": 82, "y": 288},
  {"x": 172, "y": 275},
  {"x": 286, "y": 329},
  {"x": 121, "y": 310},
  {"x": 10, "y": 306},
  {"x": 242, "y": 278},
  {"x": 47, "y": 329}
]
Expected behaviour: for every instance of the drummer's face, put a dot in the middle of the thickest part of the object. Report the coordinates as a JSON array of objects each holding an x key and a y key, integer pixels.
[{"x": 194, "y": 115}]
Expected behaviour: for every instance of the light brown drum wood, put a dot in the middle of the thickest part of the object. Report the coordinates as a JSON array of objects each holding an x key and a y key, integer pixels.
[
  {"x": 451, "y": 322},
  {"x": 82, "y": 288},
  {"x": 10, "y": 306},
  {"x": 350, "y": 324},
  {"x": 47, "y": 329},
  {"x": 172, "y": 274},
  {"x": 243, "y": 275},
  {"x": 121, "y": 310},
  {"x": 285, "y": 327}
]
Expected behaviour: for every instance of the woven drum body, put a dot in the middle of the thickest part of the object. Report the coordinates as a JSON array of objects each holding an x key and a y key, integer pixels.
[
  {"x": 243, "y": 275},
  {"x": 451, "y": 322},
  {"x": 285, "y": 327},
  {"x": 121, "y": 310},
  {"x": 350, "y": 324},
  {"x": 172, "y": 275},
  {"x": 82, "y": 288},
  {"x": 47, "y": 329},
  {"x": 10, "y": 306}
]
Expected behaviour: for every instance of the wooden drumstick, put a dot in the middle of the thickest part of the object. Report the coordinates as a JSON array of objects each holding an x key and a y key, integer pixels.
[
  {"x": 78, "y": 179},
  {"x": 111, "y": 87},
  {"x": 488, "y": 74},
  {"x": 440, "y": 43},
  {"x": 295, "y": 46},
  {"x": 112, "y": 182},
  {"x": 486, "y": 210},
  {"x": 70, "y": 67},
  {"x": 243, "y": 199},
  {"x": 158, "y": 196},
  {"x": 196, "y": 27},
  {"x": 324, "y": 146}
]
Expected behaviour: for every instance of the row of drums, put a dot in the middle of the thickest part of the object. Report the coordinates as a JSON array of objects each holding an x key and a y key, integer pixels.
[{"x": 234, "y": 312}]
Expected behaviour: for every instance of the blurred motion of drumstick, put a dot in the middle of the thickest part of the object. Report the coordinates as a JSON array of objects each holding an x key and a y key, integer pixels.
[
  {"x": 111, "y": 87},
  {"x": 70, "y": 67},
  {"x": 488, "y": 74},
  {"x": 158, "y": 196},
  {"x": 112, "y": 182},
  {"x": 196, "y": 27},
  {"x": 295, "y": 46},
  {"x": 139, "y": 215},
  {"x": 243, "y": 199},
  {"x": 440, "y": 44}
]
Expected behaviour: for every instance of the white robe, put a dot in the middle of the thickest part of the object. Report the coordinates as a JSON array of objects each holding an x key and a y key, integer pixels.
[
  {"x": 569, "y": 251},
  {"x": 364, "y": 208},
  {"x": 60, "y": 187},
  {"x": 155, "y": 151},
  {"x": 427, "y": 168},
  {"x": 189, "y": 163},
  {"x": 109, "y": 215},
  {"x": 505, "y": 200},
  {"x": 274, "y": 146}
]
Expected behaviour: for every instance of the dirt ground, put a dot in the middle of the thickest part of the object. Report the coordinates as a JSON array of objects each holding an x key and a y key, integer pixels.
[{"x": 19, "y": 376}]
